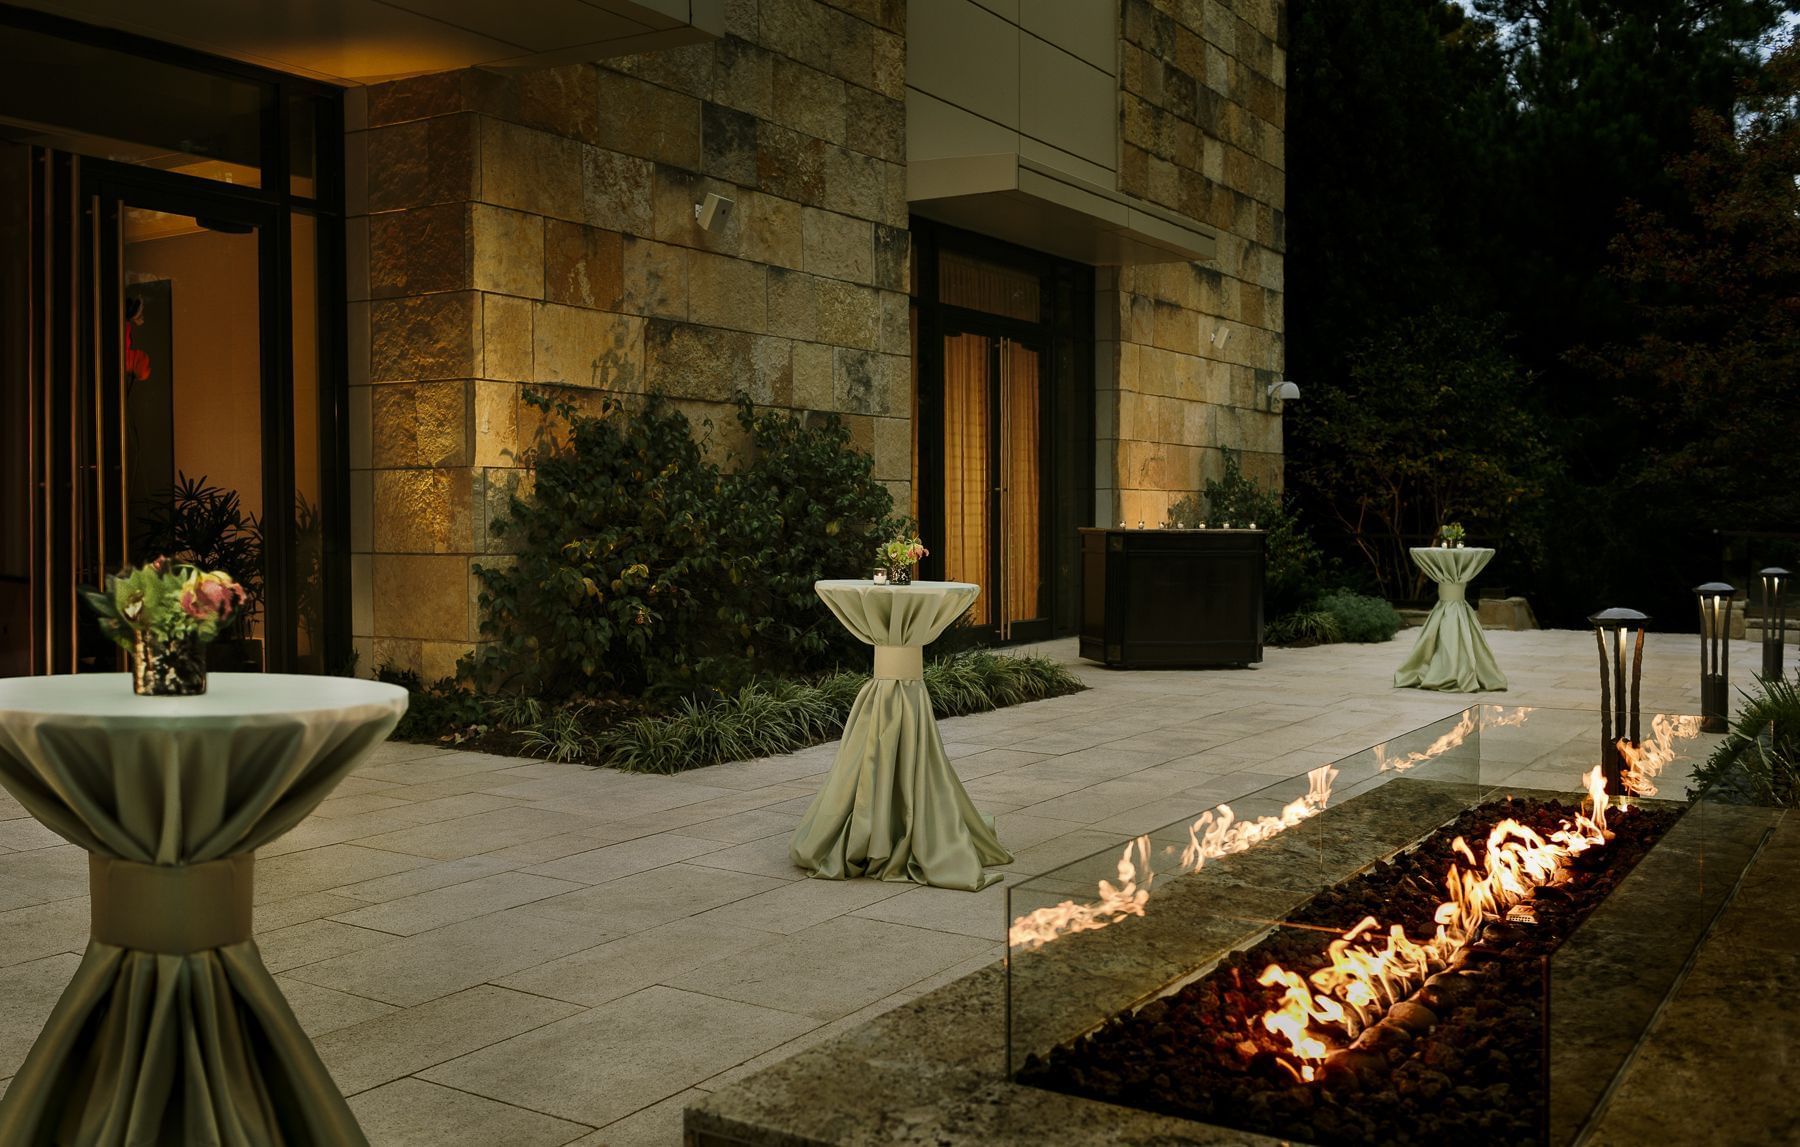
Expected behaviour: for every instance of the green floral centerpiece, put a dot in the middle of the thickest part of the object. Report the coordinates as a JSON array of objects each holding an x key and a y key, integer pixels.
[
  {"x": 898, "y": 555},
  {"x": 164, "y": 613},
  {"x": 1451, "y": 535}
]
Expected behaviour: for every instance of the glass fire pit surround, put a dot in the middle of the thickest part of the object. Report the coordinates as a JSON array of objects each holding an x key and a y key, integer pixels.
[{"x": 1194, "y": 970}]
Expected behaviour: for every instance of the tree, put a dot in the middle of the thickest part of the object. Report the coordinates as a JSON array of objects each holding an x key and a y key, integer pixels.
[
  {"x": 1431, "y": 427},
  {"x": 1714, "y": 290}
]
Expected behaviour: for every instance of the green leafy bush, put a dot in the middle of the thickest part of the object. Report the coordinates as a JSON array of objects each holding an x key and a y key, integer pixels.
[
  {"x": 432, "y": 711},
  {"x": 760, "y": 720},
  {"x": 1359, "y": 617},
  {"x": 1296, "y": 567},
  {"x": 805, "y": 506},
  {"x": 642, "y": 567},
  {"x": 1759, "y": 760}
]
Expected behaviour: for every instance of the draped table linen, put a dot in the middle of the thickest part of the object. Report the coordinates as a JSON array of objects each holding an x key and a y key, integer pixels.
[
  {"x": 1451, "y": 653},
  {"x": 172, "y": 1030},
  {"x": 892, "y": 806}
]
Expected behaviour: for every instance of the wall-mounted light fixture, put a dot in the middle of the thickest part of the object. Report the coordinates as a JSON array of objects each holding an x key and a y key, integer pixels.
[{"x": 711, "y": 210}]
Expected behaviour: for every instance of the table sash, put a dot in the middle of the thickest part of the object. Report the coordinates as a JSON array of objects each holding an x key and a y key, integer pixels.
[
  {"x": 1453, "y": 591},
  {"x": 175, "y": 909},
  {"x": 899, "y": 663}
]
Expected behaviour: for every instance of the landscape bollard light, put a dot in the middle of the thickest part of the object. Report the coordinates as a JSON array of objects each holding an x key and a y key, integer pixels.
[
  {"x": 1715, "y": 654},
  {"x": 1613, "y": 630},
  {"x": 1774, "y": 620}
]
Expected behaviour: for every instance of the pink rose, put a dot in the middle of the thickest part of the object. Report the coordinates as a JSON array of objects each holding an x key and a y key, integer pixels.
[{"x": 210, "y": 595}]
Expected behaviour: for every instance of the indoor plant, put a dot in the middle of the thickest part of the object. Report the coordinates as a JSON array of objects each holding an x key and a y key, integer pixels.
[{"x": 164, "y": 613}]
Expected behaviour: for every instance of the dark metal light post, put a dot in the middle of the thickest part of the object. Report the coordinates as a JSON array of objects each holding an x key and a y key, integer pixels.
[
  {"x": 1715, "y": 654},
  {"x": 1614, "y": 630},
  {"x": 1774, "y": 620}
]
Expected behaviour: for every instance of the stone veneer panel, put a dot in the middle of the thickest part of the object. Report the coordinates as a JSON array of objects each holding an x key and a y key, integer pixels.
[
  {"x": 537, "y": 228},
  {"x": 1186, "y": 350}
]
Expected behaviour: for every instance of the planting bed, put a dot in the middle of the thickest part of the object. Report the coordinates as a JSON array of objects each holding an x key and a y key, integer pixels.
[{"x": 1459, "y": 1061}]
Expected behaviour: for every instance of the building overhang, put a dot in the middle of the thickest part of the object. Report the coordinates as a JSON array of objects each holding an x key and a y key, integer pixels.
[
  {"x": 364, "y": 41},
  {"x": 1011, "y": 197}
]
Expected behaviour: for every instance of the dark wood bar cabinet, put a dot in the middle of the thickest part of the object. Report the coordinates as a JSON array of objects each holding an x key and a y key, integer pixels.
[{"x": 1166, "y": 599}]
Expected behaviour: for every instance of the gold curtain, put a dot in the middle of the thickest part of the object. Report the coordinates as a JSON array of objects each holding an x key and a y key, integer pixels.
[
  {"x": 1019, "y": 478},
  {"x": 966, "y": 466}
]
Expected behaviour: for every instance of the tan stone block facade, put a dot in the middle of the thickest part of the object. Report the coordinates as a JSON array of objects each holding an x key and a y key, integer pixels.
[
  {"x": 537, "y": 229},
  {"x": 1187, "y": 350}
]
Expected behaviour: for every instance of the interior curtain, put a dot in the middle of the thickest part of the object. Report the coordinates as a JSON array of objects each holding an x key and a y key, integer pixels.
[
  {"x": 1019, "y": 482},
  {"x": 966, "y": 466}
]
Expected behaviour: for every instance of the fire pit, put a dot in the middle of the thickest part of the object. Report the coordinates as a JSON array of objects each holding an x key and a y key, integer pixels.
[{"x": 1468, "y": 950}]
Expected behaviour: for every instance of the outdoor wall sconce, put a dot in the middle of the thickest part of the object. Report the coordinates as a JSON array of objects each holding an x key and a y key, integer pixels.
[
  {"x": 1715, "y": 654},
  {"x": 1774, "y": 620},
  {"x": 711, "y": 210},
  {"x": 1613, "y": 628}
]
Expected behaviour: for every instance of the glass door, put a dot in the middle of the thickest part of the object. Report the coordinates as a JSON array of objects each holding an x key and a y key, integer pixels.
[{"x": 993, "y": 501}]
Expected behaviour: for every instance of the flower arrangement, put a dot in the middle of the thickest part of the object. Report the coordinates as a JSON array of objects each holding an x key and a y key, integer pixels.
[
  {"x": 898, "y": 555},
  {"x": 164, "y": 613},
  {"x": 1451, "y": 535}
]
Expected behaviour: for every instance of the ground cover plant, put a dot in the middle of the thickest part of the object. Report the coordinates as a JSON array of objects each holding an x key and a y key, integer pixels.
[{"x": 760, "y": 718}]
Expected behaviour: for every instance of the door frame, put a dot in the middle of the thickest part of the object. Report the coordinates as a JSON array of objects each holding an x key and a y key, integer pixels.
[
  {"x": 960, "y": 321},
  {"x": 107, "y": 189},
  {"x": 1063, "y": 337}
]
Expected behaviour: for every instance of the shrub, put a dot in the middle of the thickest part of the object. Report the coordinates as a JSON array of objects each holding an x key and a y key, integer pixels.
[
  {"x": 764, "y": 719},
  {"x": 431, "y": 711},
  {"x": 805, "y": 506},
  {"x": 1295, "y": 565},
  {"x": 643, "y": 568},
  {"x": 1359, "y": 617},
  {"x": 1759, "y": 760}
]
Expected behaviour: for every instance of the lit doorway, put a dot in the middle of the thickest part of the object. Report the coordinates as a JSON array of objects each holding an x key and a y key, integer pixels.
[
  {"x": 1003, "y": 447},
  {"x": 171, "y": 343}
]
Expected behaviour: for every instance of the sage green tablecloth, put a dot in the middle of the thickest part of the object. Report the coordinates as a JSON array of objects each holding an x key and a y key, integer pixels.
[
  {"x": 1451, "y": 652},
  {"x": 892, "y": 807},
  {"x": 172, "y": 1031}
]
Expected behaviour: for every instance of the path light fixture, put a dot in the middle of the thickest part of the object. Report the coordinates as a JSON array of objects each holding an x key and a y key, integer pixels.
[
  {"x": 1774, "y": 620},
  {"x": 1715, "y": 654},
  {"x": 1614, "y": 630}
]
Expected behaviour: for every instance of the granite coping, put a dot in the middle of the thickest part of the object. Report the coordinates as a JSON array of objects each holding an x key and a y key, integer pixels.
[{"x": 935, "y": 1071}]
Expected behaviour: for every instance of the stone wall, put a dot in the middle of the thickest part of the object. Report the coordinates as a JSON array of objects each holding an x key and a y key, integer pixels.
[
  {"x": 538, "y": 229},
  {"x": 1187, "y": 350}
]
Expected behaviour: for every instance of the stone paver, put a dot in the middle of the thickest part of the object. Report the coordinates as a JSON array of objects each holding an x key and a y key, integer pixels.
[{"x": 490, "y": 949}]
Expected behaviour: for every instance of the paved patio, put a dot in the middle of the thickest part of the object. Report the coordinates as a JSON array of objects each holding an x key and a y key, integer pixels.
[{"x": 489, "y": 950}]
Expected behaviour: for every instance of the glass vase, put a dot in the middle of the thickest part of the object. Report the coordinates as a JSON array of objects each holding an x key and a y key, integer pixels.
[
  {"x": 899, "y": 575},
  {"x": 167, "y": 668}
]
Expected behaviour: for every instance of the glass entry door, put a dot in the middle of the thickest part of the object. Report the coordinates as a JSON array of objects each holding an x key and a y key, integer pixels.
[
  {"x": 162, "y": 417},
  {"x": 993, "y": 518}
]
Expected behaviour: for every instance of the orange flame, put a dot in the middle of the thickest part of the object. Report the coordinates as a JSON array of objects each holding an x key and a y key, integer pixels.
[
  {"x": 1643, "y": 763},
  {"x": 1370, "y": 971},
  {"x": 1116, "y": 902},
  {"x": 1217, "y": 833}
]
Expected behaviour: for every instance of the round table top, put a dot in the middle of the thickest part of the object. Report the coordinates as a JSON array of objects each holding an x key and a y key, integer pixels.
[
  {"x": 228, "y": 697},
  {"x": 837, "y": 585},
  {"x": 1453, "y": 550}
]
